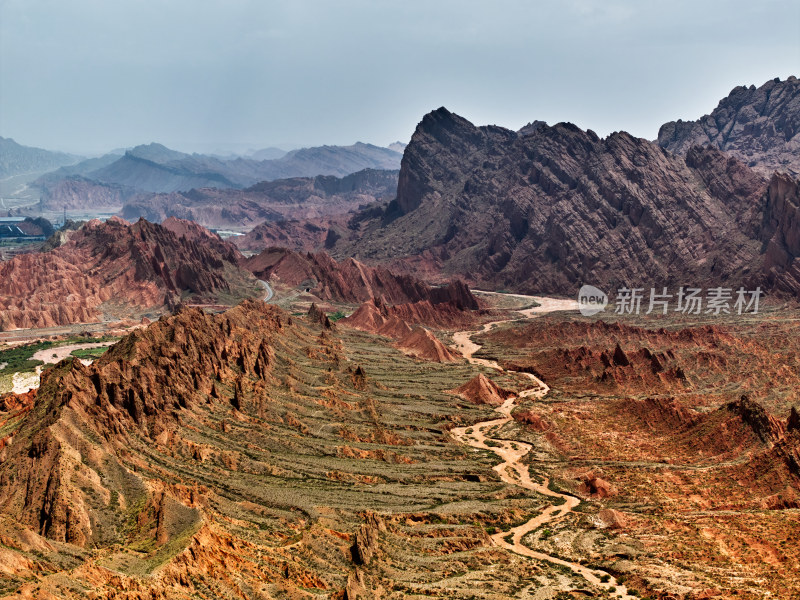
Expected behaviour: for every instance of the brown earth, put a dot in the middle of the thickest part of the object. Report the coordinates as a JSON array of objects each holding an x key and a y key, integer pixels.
[
  {"x": 688, "y": 433},
  {"x": 209, "y": 456}
]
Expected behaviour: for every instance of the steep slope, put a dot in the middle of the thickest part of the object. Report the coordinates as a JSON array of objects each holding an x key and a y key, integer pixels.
[
  {"x": 395, "y": 321},
  {"x": 308, "y": 197},
  {"x": 549, "y": 208},
  {"x": 110, "y": 269},
  {"x": 760, "y": 126},
  {"x": 16, "y": 159},
  {"x": 351, "y": 280}
]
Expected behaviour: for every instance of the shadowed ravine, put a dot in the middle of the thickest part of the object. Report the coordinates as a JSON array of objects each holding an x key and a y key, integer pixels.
[{"x": 512, "y": 470}]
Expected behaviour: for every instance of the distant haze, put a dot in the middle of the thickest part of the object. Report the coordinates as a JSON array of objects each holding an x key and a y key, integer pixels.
[{"x": 231, "y": 75}]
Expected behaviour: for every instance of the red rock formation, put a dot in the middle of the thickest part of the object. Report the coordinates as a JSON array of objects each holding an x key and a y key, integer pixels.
[
  {"x": 375, "y": 317},
  {"x": 421, "y": 343},
  {"x": 395, "y": 321},
  {"x": 596, "y": 487},
  {"x": 351, "y": 280},
  {"x": 482, "y": 390},
  {"x": 300, "y": 235},
  {"x": 138, "y": 387},
  {"x": 116, "y": 264},
  {"x": 612, "y": 519}
]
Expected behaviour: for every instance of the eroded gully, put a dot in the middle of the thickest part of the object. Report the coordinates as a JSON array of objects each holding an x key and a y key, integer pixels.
[{"x": 512, "y": 470}]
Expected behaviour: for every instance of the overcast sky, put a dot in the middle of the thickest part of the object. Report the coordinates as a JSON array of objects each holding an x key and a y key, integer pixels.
[{"x": 91, "y": 75}]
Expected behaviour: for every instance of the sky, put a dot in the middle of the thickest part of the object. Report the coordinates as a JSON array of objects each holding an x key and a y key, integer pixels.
[{"x": 88, "y": 76}]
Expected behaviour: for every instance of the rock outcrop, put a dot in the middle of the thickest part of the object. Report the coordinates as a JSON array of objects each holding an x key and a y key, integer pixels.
[
  {"x": 114, "y": 267},
  {"x": 129, "y": 392},
  {"x": 760, "y": 126}
]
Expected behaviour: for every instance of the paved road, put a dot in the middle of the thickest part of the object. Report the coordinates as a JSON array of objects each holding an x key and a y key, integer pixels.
[{"x": 267, "y": 287}]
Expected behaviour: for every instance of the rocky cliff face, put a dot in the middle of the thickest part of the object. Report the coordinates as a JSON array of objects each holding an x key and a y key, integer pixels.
[
  {"x": 760, "y": 126},
  {"x": 781, "y": 233},
  {"x": 549, "y": 208},
  {"x": 351, "y": 280},
  {"x": 115, "y": 266}
]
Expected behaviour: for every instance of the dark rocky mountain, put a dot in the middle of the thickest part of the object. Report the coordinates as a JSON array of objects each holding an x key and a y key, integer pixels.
[
  {"x": 550, "y": 208},
  {"x": 16, "y": 159},
  {"x": 300, "y": 197},
  {"x": 115, "y": 269},
  {"x": 760, "y": 126},
  {"x": 154, "y": 168}
]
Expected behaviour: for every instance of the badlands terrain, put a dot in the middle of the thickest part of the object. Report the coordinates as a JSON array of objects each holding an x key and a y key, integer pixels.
[{"x": 384, "y": 388}]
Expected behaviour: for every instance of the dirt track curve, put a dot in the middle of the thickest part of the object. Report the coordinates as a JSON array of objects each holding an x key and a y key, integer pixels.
[{"x": 512, "y": 470}]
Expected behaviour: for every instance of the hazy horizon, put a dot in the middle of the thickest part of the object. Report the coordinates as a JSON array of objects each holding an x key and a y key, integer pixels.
[{"x": 88, "y": 77}]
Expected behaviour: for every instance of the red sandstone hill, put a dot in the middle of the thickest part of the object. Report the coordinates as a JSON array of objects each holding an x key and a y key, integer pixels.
[
  {"x": 421, "y": 343},
  {"x": 351, "y": 280},
  {"x": 396, "y": 321},
  {"x": 112, "y": 268},
  {"x": 482, "y": 390}
]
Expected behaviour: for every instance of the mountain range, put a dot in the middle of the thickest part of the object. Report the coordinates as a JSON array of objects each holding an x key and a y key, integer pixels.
[
  {"x": 153, "y": 168},
  {"x": 16, "y": 159},
  {"x": 298, "y": 197}
]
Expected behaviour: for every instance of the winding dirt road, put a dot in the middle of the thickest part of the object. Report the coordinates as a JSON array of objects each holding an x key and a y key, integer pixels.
[{"x": 512, "y": 470}]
